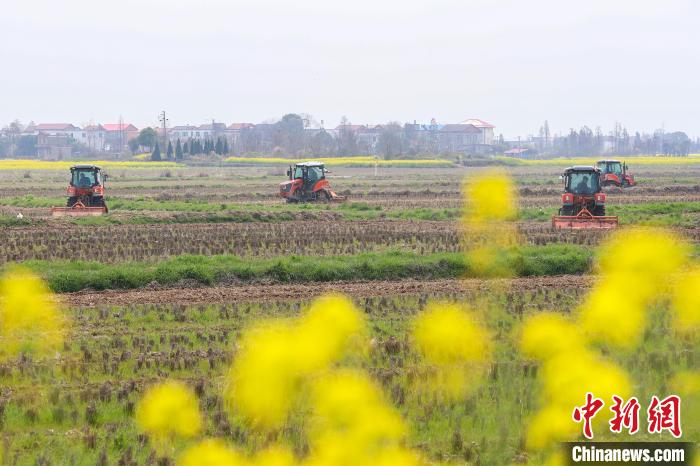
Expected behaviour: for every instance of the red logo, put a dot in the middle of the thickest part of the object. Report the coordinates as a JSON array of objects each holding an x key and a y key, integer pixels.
[
  {"x": 661, "y": 415},
  {"x": 665, "y": 415},
  {"x": 587, "y": 412}
]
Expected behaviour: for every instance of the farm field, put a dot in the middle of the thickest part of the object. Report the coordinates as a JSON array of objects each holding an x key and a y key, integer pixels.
[{"x": 189, "y": 257}]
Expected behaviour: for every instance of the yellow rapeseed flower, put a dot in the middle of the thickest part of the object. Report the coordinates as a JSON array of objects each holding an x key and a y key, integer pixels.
[
  {"x": 30, "y": 318},
  {"x": 349, "y": 402},
  {"x": 326, "y": 331},
  {"x": 547, "y": 335},
  {"x": 453, "y": 348},
  {"x": 490, "y": 204},
  {"x": 446, "y": 333},
  {"x": 276, "y": 357},
  {"x": 169, "y": 410},
  {"x": 353, "y": 423},
  {"x": 264, "y": 375},
  {"x": 686, "y": 302},
  {"x": 635, "y": 267},
  {"x": 549, "y": 425},
  {"x": 490, "y": 197},
  {"x": 211, "y": 453},
  {"x": 274, "y": 456}
]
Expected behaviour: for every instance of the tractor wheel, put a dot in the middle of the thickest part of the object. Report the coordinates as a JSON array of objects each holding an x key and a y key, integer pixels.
[
  {"x": 71, "y": 201},
  {"x": 323, "y": 196},
  {"x": 599, "y": 211},
  {"x": 625, "y": 183}
]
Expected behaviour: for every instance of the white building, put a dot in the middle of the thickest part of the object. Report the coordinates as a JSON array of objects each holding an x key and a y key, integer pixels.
[{"x": 485, "y": 128}]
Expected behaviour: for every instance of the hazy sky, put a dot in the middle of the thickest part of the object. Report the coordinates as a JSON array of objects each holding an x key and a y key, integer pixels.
[{"x": 514, "y": 63}]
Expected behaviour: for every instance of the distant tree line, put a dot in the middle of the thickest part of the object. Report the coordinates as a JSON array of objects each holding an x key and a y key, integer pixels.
[{"x": 585, "y": 141}]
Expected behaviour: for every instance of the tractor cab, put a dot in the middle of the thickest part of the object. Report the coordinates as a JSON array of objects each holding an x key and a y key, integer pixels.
[
  {"x": 615, "y": 173},
  {"x": 583, "y": 202},
  {"x": 85, "y": 176},
  {"x": 582, "y": 181},
  {"x": 307, "y": 183}
]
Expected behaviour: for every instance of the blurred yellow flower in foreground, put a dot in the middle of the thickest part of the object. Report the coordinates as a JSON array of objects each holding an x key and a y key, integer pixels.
[
  {"x": 30, "y": 318},
  {"x": 354, "y": 424},
  {"x": 445, "y": 333},
  {"x": 686, "y": 302},
  {"x": 277, "y": 356},
  {"x": 490, "y": 197},
  {"x": 453, "y": 347},
  {"x": 275, "y": 456},
  {"x": 547, "y": 335},
  {"x": 490, "y": 204},
  {"x": 211, "y": 453},
  {"x": 570, "y": 369},
  {"x": 169, "y": 410},
  {"x": 635, "y": 267}
]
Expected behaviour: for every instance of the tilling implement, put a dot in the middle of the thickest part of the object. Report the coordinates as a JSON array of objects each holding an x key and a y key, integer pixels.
[
  {"x": 86, "y": 193},
  {"x": 583, "y": 202},
  {"x": 308, "y": 183}
]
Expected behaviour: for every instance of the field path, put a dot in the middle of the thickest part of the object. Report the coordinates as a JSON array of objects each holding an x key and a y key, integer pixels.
[{"x": 227, "y": 294}]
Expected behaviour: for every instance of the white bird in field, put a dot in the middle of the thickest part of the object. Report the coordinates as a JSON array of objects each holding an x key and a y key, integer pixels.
[{"x": 20, "y": 216}]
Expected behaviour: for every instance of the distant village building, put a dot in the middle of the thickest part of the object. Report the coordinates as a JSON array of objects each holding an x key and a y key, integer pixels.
[
  {"x": 117, "y": 135},
  {"x": 459, "y": 138},
  {"x": 95, "y": 137},
  {"x": 486, "y": 130},
  {"x": 58, "y": 129},
  {"x": 184, "y": 133},
  {"x": 54, "y": 146}
]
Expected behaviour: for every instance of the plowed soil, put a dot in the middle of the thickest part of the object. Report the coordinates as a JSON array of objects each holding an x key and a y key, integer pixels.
[{"x": 227, "y": 294}]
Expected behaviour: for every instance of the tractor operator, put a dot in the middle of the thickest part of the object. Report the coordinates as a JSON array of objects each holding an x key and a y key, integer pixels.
[{"x": 583, "y": 186}]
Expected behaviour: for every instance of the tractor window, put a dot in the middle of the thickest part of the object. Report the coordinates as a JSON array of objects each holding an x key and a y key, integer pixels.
[
  {"x": 583, "y": 183},
  {"x": 84, "y": 178},
  {"x": 315, "y": 173},
  {"x": 615, "y": 168},
  {"x": 298, "y": 173}
]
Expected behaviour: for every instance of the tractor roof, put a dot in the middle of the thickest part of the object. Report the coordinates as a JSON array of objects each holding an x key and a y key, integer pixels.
[
  {"x": 82, "y": 167},
  {"x": 310, "y": 164},
  {"x": 608, "y": 161},
  {"x": 581, "y": 168}
]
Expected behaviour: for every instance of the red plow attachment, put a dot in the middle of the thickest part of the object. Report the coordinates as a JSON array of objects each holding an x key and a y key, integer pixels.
[
  {"x": 584, "y": 220},
  {"x": 78, "y": 210}
]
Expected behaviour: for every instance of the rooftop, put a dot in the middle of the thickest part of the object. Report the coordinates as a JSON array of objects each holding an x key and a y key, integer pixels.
[{"x": 477, "y": 122}]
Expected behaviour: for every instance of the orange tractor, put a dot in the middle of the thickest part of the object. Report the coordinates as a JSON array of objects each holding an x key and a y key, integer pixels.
[
  {"x": 615, "y": 173},
  {"x": 308, "y": 183},
  {"x": 583, "y": 202},
  {"x": 86, "y": 193}
]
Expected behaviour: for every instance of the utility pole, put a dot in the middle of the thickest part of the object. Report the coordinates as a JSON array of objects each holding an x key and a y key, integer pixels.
[
  {"x": 121, "y": 137},
  {"x": 164, "y": 121}
]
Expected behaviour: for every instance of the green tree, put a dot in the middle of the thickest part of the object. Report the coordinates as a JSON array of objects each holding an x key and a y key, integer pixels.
[
  {"x": 169, "y": 152},
  {"x": 134, "y": 145},
  {"x": 155, "y": 156},
  {"x": 390, "y": 140},
  {"x": 186, "y": 147},
  {"x": 178, "y": 150},
  {"x": 289, "y": 133},
  {"x": 219, "y": 147},
  {"x": 226, "y": 148},
  {"x": 148, "y": 138},
  {"x": 26, "y": 145}
]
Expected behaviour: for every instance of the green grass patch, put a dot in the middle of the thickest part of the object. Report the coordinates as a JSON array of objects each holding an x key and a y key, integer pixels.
[{"x": 70, "y": 276}]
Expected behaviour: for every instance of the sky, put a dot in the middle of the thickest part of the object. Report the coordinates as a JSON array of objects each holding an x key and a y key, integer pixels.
[{"x": 513, "y": 63}]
